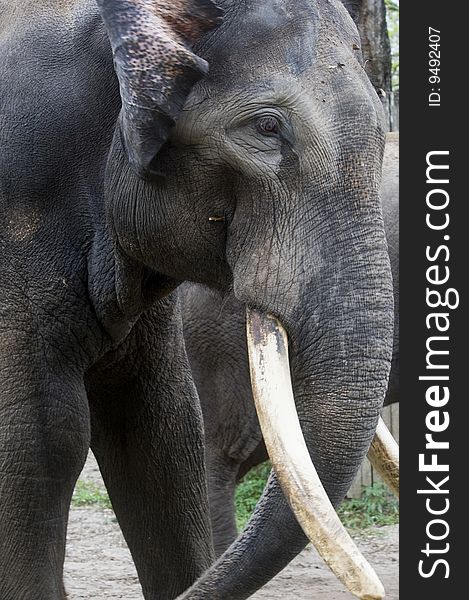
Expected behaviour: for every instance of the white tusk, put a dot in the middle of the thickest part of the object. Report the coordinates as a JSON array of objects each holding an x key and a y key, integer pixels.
[
  {"x": 384, "y": 456},
  {"x": 275, "y": 404}
]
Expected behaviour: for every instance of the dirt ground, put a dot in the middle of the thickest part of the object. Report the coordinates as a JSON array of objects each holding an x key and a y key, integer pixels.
[{"x": 98, "y": 563}]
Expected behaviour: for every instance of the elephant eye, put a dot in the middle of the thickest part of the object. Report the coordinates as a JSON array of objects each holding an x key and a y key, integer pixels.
[{"x": 268, "y": 125}]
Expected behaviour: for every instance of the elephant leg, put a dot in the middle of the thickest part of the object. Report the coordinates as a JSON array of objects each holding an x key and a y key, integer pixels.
[
  {"x": 257, "y": 457},
  {"x": 44, "y": 439},
  {"x": 151, "y": 476},
  {"x": 147, "y": 437},
  {"x": 222, "y": 476}
]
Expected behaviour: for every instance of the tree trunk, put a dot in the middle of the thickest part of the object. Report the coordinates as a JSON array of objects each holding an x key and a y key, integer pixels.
[{"x": 370, "y": 17}]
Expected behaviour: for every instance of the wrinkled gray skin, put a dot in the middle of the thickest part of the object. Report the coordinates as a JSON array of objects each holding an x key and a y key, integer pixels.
[
  {"x": 95, "y": 232},
  {"x": 215, "y": 336}
]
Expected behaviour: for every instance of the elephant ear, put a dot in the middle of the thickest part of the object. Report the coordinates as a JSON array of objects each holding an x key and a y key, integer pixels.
[{"x": 151, "y": 42}]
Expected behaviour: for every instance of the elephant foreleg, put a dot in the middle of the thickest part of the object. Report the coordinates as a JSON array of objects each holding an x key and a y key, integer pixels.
[
  {"x": 147, "y": 437},
  {"x": 44, "y": 439}
]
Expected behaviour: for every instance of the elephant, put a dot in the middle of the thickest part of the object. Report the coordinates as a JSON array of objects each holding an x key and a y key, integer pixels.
[
  {"x": 215, "y": 339},
  {"x": 128, "y": 166}
]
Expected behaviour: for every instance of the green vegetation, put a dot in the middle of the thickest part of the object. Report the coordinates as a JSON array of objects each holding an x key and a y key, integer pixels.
[
  {"x": 248, "y": 493},
  {"x": 376, "y": 507},
  {"x": 392, "y": 16},
  {"x": 89, "y": 494}
]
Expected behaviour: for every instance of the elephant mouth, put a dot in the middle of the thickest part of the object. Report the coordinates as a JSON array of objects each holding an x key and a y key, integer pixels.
[{"x": 285, "y": 443}]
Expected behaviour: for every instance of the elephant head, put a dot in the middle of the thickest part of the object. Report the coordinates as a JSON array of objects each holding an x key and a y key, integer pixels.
[{"x": 268, "y": 185}]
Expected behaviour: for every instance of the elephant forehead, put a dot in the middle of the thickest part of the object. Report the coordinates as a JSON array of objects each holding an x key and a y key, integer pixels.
[
  {"x": 261, "y": 37},
  {"x": 255, "y": 34}
]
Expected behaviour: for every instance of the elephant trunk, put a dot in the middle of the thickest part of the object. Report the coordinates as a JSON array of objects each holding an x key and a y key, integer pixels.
[
  {"x": 340, "y": 358},
  {"x": 275, "y": 404}
]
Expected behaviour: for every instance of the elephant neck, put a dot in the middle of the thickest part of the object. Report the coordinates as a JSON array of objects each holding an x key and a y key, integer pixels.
[{"x": 120, "y": 286}]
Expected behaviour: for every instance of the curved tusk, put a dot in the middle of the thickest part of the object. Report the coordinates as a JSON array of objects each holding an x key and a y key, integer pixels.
[
  {"x": 275, "y": 404},
  {"x": 384, "y": 456}
]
